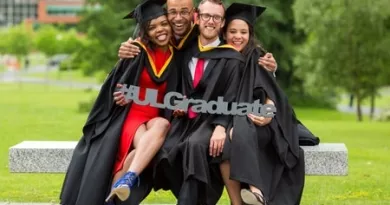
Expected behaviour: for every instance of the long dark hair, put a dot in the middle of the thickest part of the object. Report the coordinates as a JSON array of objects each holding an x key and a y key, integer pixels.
[
  {"x": 143, "y": 34},
  {"x": 253, "y": 43}
]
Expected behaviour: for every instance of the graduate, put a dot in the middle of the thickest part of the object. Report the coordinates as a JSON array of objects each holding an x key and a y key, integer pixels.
[
  {"x": 102, "y": 165},
  {"x": 210, "y": 69},
  {"x": 262, "y": 161}
]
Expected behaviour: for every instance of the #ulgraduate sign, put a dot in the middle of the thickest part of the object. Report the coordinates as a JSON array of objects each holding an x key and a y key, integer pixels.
[{"x": 131, "y": 93}]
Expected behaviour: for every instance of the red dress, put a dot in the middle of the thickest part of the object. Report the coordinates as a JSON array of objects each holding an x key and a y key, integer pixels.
[{"x": 140, "y": 114}]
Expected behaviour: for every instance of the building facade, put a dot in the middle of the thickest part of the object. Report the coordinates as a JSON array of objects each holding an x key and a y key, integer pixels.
[
  {"x": 16, "y": 11},
  {"x": 65, "y": 12},
  {"x": 59, "y": 11}
]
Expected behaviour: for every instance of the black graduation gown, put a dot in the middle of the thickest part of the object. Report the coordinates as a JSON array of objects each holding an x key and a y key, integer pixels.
[
  {"x": 184, "y": 155},
  {"x": 89, "y": 176},
  {"x": 267, "y": 157},
  {"x": 306, "y": 138}
]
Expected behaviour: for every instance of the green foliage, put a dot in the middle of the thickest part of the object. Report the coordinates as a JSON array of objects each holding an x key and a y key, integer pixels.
[
  {"x": 16, "y": 41},
  {"x": 3, "y": 41},
  {"x": 347, "y": 45},
  {"x": 105, "y": 30},
  {"x": 69, "y": 42},
  {"x": 279, "y": 36},
  {"x": 47, "y": 40}
]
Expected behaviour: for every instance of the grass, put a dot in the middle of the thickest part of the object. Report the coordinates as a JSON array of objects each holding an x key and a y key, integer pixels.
[{"x": 34, "y": 112}]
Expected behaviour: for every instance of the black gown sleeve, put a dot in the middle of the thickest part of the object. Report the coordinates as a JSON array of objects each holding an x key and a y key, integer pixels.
[{"x": 231, "y": 90}]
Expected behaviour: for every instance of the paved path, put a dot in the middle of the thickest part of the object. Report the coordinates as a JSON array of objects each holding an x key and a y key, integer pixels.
[
  {"x": 14, "y": 77},
  {"x": 365, "y": 109}
]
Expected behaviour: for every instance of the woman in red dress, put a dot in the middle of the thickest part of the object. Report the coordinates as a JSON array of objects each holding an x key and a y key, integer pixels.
[{"x": 144, "y": 130}]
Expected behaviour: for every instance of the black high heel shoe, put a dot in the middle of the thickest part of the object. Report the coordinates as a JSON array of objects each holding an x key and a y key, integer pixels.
[{"x": 252, "y": 198}]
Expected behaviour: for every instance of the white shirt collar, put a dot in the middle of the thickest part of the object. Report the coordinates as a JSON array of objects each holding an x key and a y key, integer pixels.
[{"x": 214, "y": 43}]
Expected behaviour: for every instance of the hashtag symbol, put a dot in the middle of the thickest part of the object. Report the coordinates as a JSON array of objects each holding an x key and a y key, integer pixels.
[{"x": 130, "y": 93}]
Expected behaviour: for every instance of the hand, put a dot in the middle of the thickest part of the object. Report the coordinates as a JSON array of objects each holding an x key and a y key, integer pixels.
[
  {"x": 268, "y": 62},
  {"x": 259, "y": 120},
  {"x": 119, "y": 97},
  {"x": 179, "y": 113},
  {"x": 217, "y": 141},
  {"x": 128, "y": 50}
]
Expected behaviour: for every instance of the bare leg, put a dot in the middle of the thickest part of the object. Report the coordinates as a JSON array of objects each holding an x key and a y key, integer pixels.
[
  {"x": 129, "y": 158},
  {"x": 126, "y": 166},
  {"x": 233, "y": 187},
  {"x": 123, "y": 193},
  {"x": 149, "y": 144},
  {"x": 146, "y": 144}
]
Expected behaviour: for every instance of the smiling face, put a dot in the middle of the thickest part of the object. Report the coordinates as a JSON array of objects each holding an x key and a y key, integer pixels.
[
  {"x": 180, "y": 13},
  {"x": 159, "y": 31},
  {"x": 211, "y": 20},
  {"x": 237, "y": 34}
]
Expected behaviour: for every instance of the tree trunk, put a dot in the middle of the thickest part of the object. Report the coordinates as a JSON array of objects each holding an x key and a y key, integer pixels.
[
  {"x": 351, "y": 96},
  {"x": 358, "y": 107},
  {"x": 372, "y": 105}
]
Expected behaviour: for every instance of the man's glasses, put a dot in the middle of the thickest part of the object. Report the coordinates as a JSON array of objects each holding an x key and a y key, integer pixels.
[
  {"x": 206, "y": 17},
  {"x": 184, "y": 13}
]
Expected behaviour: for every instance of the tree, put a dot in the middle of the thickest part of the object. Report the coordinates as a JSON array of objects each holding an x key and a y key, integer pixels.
[
  {"x": 47, "y": 40},
  {"x": 105, "y": 30},
  {"x": 18, "y": 41},
  {"x": 69, "y": 41},
  {"x": 3, "y": 41},
  {"x": 346, "y": 44}
]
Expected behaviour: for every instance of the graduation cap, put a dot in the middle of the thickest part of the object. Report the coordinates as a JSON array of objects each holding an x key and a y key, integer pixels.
[
  {"x": 147, "y": 10},
  {"x": 245, "y": 12}
]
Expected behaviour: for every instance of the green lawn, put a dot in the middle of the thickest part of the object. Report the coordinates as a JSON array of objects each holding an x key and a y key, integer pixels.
[{"x": 34, "y": 112}]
